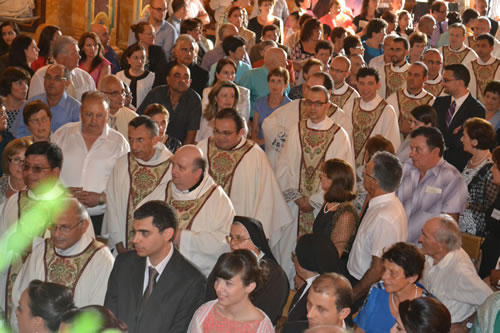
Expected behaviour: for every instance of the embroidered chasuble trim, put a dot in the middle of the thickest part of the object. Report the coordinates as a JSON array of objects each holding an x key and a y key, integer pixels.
[
  {"x": 363, "y": 123},
  {"x": 222, "y": 164},
  {"x": 303, "y": 113},
  {"x": 340, "y": 100},
  {"x": 67, "y": 270},
  {"x": 314, "y": 145},
  {"x": 450, "y": 57},
  {"x": 187, "y": 210},
  {"x": 143, "y": 180},
  {"x": 484, "y": 74},
  {"x": 472, "y": 42},
  {"x": 393, "y": 80},
  {"x": 434, "y": 89},
  {"x": 407, "y": 104}
]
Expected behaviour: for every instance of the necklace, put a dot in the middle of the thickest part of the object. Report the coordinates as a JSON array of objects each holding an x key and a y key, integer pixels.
[
  {"x": 12, "y": 187},
  {"x": 392, "y": 298},
  {"x": 473, "y": 164},
  {"x": 326, "y": 209}
]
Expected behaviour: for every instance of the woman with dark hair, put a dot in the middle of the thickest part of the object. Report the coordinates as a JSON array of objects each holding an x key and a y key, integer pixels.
[
  {"x": 160, "y": 116},
  {"x": 337, "y": 219},
  {"x": 37, "y": 118},
  {"x": 404, "y": 265},
  {"x": 45, "y": 43},
  {"x": 310, "y": 34},
  {"x": 369, "y": 11},
  {"x": 422, "y": 314},
  {"x": 236, "y": 16},
  {"x": 41, "y": 307},
  {"x": 9, "y": 31},
  {"x": 23, "y": 52},
  {"x": 264, "y": 18},
  {"x": 478, "y": 139},
  {"x": 14, "y": 86},
  {"x": 145, "y": 35},
  {"x": 247, "y": 233},
  {"x": 92, "y": 57},
  {"x": 5, "y": 136},
  {"x": 136, "y": 76},
  {"x": 422, "y": 115},
  {"x": 12, "y": 164},
  {"x": 107, "y": 320},
  {"x": 238, "y": 277}
]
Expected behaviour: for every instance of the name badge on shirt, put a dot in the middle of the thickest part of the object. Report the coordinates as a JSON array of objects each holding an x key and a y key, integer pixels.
[
  {"x": 495, "y": 214},
  {"x": 432, "y": 189}
]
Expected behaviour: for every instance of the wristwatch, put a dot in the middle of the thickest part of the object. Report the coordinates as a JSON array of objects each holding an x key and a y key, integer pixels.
[{"x": 101, "y": 199}]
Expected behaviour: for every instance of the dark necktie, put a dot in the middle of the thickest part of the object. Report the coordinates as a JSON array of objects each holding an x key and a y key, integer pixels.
[
  {"x": 153, "y": 273},
  {"x": 450, "y": 113}
]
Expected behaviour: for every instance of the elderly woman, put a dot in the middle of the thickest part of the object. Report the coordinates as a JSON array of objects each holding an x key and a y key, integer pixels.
[
  {"x": 248, "y": 234},
  {"x": 14, "y": 86},
  {"x": 236, "y": 16},
  {"x": 422, "y": 314},
  {"x": 478, "y": 139},
  {"x": 41, "y": 307},
  {"x": 338, "y": 219},
  {"x": 12, "y": 164},
  {"x": 404, "y": 265},
  {"x": 160, "y": 115},
  {"x": 37, "y": 117},
  {"x": 238, "y": 277},
  {"x": 92, "y": 57}
]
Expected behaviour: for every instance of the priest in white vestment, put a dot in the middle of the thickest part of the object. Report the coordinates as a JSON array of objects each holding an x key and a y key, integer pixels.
[
  {"x": 204, "y": 211},
  {"x": 241, "y": 167},
  {"x": 276, "y": 127},
  {"x": 146, "y": 165},
  {"x": 310, "y": 143},
  {"x": 340, "y": 70}
]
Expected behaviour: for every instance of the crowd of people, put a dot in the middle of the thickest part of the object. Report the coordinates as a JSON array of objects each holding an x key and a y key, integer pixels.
[{"x": 313, "y": 167}]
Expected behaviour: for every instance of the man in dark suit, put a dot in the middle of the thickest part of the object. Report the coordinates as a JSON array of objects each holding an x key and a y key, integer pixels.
[
  {"x": 154, "y": 288},
  {"x": 454, "y": 110}
]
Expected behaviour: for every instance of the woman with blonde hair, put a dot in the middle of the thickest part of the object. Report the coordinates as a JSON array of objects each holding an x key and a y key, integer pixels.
[{"x": 12, "y": 164}]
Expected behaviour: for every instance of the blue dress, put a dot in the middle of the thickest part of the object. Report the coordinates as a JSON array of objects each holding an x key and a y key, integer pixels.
[
  {"x": 264, "y": 111},
  {"x": 376, "y": 316}
]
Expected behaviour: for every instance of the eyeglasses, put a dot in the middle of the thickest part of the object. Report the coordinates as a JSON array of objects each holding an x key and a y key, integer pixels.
[
  {"x": 65, "y": 229},
  {"x": 159, "y": 9},
  {"x": 366, "y": 174},
  {"x": 115, "y": 93},
  {"x": 223, "y": 133},
  {"x": 37, "y": 122},
  {"x": 55, "y": 78},
  {"x": 317, "y": 104},
  {"x": 35, "y": 168},
  {"x": 237, "y": 239},
  {"x": 16, "y": 161}
]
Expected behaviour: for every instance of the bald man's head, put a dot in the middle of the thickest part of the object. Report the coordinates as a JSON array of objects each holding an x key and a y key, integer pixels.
[
  {"x": 113, "y": 87},
  {"x": 188, "y": 167},
  {"x": 102, "y": 32},
  {"x": 275, "y": 57}
]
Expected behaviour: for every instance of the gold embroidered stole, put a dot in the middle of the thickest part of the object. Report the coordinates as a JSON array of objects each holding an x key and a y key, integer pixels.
[
  {"x": 434, "y": 89},
  {"x": 363, "y": 123},
  {"x": 406, "y": 104},
  {"x": 393, "y": 80},
  {"x": 450, "y": 57},
  {"x": 187, "y": 209},
  {"x": 314, "y": 145},
  {"x": 484, "y": 74},
  {"x": 340, "y": 100},
  {"x": 143, "y": 181},
  {"x": 67, "y": 270},
  {"x": 303, "y": 113},
  {"x": 472, "y": 42},
  {"x": 222, "y": 164}
]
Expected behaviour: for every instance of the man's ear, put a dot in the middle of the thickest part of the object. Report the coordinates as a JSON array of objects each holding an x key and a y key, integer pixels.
[
  {"x": 344, "y": 313},
  {"x": 168, "y": 234}
]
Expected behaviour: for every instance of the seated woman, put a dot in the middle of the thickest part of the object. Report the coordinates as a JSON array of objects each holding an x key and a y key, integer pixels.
[
  {"x": 422, "y": 314},
  {"x": 37, "y": 117},
  {"x": 478, "y": 139},
  {"x": 8, "y": 31},
  {"x": 92, "y": 57},
  {"x": 160, "y": 115},
  {"x": 108, "y": 322},
  {"x": 23, "y": 52},
  {"x": 404, "y": 265},
  {"x": 338, "y": 219},
  {"x": 14, "y": 83},
  {"x": 41, "y": 307},
  {"x": 247, "y": 233},
  {"x": 12, "y": 165},
  {"x": 238, "y": 276},
  {"x": 136, "y": 76},
  {"x": 277, "y": 80},
  {"x": 45, "y": 43}
]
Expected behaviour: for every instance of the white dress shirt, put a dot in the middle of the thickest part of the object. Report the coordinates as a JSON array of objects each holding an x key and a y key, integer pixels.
[{"x": 159, "y": 268}]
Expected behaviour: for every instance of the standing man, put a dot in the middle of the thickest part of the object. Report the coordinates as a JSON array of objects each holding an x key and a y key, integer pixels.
[
  {"x": 314, "y": 140},
  {"x": 179, "y": 13},
  {"x": 393, "y": 76},
  {"x": 457, "y": 52},
  {"x": 165, "y": 32},
  {"x": 433, "y": 59},
  {"x": 370, "y": 114},
  {"x": 482, "y": 25},
  {"x": 383, "y": 224},
  {"x": 103, "y": 33},
  {"x": 427, "y": 25},
  {"x": 340, "y": 69},
  {"x": 405, "y": 100},
  {"x": 90, "y": 149},
  {"x": 242, "y": 169},
  {"x": 438, "y": 12},
  {"x": 182, "y": 102},
  {"x": 454, "y": 110},
  {"x": 146, "y": 164},
  {"x": 64, "y": 108},
  {"x": 449, "y": 274},
  {"x": 484, "y": 69},
  {"x": 205, "y": 211},
  {"x": 66, "y": 53},
  {"x": 154, "y": 288},
  {"x": 430, "y": 185}
]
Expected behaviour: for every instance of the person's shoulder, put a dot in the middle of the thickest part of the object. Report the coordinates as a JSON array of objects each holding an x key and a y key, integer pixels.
[
  {"x": 66, "y": 129},
  {"x": 129, "y": 259},
  {"x": 72, "y": 101},
  {"x": 188, "y": 270},
  {"x": 192, "y": 94}
]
